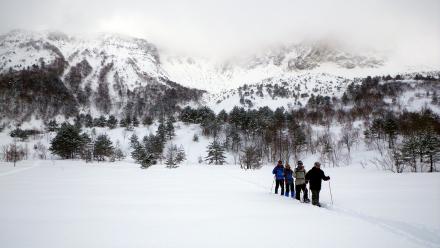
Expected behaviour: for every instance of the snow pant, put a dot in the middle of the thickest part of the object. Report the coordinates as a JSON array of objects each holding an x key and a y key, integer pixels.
[
  {"x": 298, "y": 189},
  {"x": 278, "y": 183},
  {"x": 315, "y": 197},
  {"x": 289, "y": 187}
]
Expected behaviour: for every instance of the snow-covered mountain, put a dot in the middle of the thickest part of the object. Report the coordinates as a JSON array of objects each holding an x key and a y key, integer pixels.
[
  {"x": 109, "y": 73},
  {"x": 280, "y": 61},
  {"x": 104, "y": 73},
  {"x": 134, "y": 61},
  {"x": 137, "y": 61},
  {"x": 289, "y": 92}
]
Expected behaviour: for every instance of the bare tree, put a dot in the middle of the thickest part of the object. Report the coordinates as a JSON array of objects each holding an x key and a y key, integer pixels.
[{"x": 250, "y": 158}]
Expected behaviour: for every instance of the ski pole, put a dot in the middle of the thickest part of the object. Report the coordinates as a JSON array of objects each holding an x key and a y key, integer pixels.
[
  {"x": 331, "y": 196},
  {"x": 271, "y": 188}
]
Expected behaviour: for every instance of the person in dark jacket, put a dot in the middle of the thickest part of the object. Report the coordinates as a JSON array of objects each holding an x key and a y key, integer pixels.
[
  {"x": 288, "y": 178},
  {"x": 315, "y": 177},
  {"x": 300, "y": 182},
  {"x": 278, "y": 171}
]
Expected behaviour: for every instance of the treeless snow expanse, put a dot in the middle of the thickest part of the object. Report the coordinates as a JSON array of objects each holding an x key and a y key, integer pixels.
[{"x": 73, "y": 204}]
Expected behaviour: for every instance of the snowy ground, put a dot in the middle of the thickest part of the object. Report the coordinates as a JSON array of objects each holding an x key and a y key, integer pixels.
[{"x": 73, "y": 204}]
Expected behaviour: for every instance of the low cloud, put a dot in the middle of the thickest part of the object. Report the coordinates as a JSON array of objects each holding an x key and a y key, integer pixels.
[{"x": 410, "y": 29}]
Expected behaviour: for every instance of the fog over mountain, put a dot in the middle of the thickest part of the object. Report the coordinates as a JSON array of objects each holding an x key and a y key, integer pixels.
[{"x": 407, "y": 30}]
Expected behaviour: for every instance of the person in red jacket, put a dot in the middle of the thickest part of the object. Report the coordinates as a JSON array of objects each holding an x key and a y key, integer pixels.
[{"x": 315, "y": 177}]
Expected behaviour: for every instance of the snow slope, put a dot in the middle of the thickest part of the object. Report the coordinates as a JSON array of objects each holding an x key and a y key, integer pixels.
[
  {"x": 135, "y": 62},
  {"x": 73, "y": 204}
]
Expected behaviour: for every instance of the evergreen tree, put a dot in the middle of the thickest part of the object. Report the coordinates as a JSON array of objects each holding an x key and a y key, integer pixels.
[
  {"x": 138, "y": 151},
  {"x": 86, "y": 147},
  {"x": 431, "y": 141},
  {"x": 112, "y": 122},
  {"x": 215, "y": 153},
  {"x": 222, "y": 116},
  {"x": 161, "y": 130},
  {"x": 169, "y": 129},
  {"x": 171, "y": 156},
  {"x": 147, "y": 121},
  {"x": 102, "y": 122},
  {"x": 118, "y": 154},
  {"x": 126, "y": 122},
  {"x": 156, "y": 146},
  {"x": 181, "y": 156},
  {"x": 67, "y": 142},
  {"x": 135, "y": 122},
  {"x": 77, "y": 122},
  {"x": 134, "y": 141},
  {"x": 390, "y": 129},
  {"x": 103, "y": 147},
  {"x": 88, "y": 121},
  {"x": 298, "y": 138},
  {"x": 409, "y": 151},
  {"x": 52, "y": 126},
  {"x": 144, "y": 153}
]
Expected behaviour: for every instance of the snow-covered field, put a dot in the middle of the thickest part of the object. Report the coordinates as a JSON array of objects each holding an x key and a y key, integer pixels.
[{"x": 73, "y": 204}]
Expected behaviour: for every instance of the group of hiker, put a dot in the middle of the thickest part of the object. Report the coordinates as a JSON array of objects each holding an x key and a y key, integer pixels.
[{"x": 286, "y": 178}]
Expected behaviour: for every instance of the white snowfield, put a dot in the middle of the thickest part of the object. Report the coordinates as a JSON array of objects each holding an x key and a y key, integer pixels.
[{"x": 73, "y": 204}]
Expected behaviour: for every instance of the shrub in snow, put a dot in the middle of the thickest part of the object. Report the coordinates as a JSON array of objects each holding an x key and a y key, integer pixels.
[
  {"x": 13, "y": 153},
  {"x": 40, "y": 150}
]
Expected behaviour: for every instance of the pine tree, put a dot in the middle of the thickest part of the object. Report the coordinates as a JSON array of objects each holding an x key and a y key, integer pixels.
[
  {"x": 144, "y": 153},
  {"x": 134, "y": 141},
  {"x": 52, "y": 126},
  {"x": 138, "y": 152},
  {"x": 391, "y": 128},
  {"x": 118, "y": 153},
  {"x": 222, "y": 116},
  {"x": 77, "y": 122},
  {"x": 431, "y": 141},
  {"x": 161, "y": 130},
  {"x": 102, "y": 122},
  {"x": 409, "y": 151},
  {"x": 103, "y": 147},
  {"x": 147, "y": 121},
  {"x": 169, "y": 129},
  {"x": 135, "y": 122},
  {"x": 181, "y": 156},
  {"x": 67, "y": 142},
  {"x": 112, "y": 122},
  {"x": 86, "y": 147},
  {"x": 215, "y": 153},
  {"x": 88, "y": 121},
  {"x": 171, "y": 156}
]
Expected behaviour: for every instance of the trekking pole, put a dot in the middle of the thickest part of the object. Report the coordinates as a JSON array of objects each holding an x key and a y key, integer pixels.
[
  {"x": 331, "y": 196},
  {"x": 271, "y": 188}
]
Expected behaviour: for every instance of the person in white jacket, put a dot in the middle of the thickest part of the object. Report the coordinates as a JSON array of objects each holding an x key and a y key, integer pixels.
[{"x": 300, "y": 182}]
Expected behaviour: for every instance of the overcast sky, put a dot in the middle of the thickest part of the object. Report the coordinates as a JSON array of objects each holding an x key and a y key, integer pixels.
[{"x": 227, "y": 25}]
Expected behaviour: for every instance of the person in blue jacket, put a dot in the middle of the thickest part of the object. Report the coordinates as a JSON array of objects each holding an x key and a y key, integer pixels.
[
  {"x": 278, "y": 171},
  {"x": 288, "y": 177}
]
